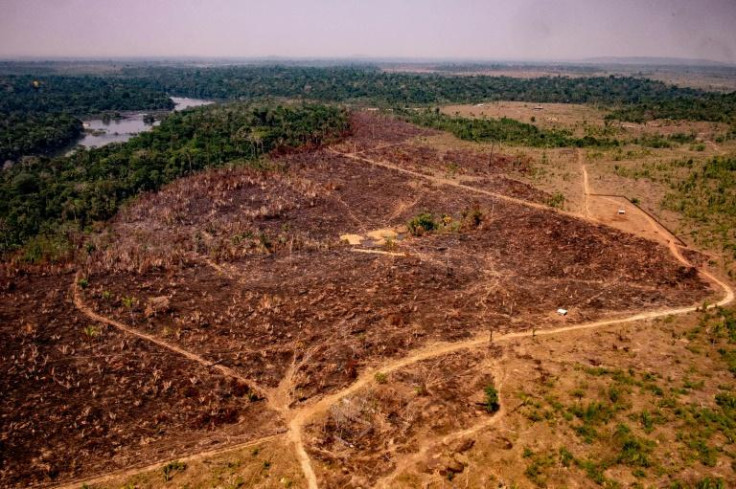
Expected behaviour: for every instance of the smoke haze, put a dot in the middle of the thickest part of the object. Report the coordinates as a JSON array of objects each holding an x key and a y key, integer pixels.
[{"x": 469, "y": 29}]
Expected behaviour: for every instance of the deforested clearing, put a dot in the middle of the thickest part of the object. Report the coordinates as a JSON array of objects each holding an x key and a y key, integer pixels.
[{"x": 226, "y": 309}]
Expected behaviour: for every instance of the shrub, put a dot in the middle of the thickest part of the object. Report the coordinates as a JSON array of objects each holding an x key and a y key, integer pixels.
[
  {"x": 423, "y": 223},
  {"x": 593, "y": 471},
  {"x": 557, "y": 200},
  {"x": 726, "y": 400},
  {"x": 566, "y": 457},
  {"x": 473, "y": 216},
  {"x": 491, "y": 401},
  {"x": 171, "y": 468},
  {"x": 634, "y": 451},
  {"x": 90, "y": 331},
  {"x": 711, "y": 483}
]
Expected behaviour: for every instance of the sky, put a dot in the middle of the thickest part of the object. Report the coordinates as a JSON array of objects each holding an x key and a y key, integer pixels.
[{"x": 430, "y": 29}]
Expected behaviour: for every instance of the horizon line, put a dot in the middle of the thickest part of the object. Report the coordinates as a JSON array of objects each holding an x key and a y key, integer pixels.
[{"x": 596, "y": 60}]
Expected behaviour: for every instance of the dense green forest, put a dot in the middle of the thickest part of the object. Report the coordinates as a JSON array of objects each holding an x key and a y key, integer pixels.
[
  {"x": 148, "y": 88},
  {"x": 502, "y": 130},
  {"x": 29, "y": 133},
  {"x": 40, "y": 114},
  {"x": 633, "y": 98},
  {"x": 78, "y": 95},
  {"x": 42, "y": 196}
]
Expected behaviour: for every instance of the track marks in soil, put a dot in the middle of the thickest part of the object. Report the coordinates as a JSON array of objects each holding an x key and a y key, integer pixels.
[
  {"x": 83, "y": 308},
  {"x": 377, "y": 252},
  {"x": 298, "y": 417},
  {"x": 449, "y": 182},
  {"x": 132, "y": 471}
]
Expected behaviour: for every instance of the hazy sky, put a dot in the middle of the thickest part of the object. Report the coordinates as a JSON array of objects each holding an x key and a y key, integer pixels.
[{"x": 487, "y": 29}]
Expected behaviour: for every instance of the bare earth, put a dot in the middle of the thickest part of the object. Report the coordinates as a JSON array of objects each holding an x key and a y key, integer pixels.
[{"x": 229, "y": 312}]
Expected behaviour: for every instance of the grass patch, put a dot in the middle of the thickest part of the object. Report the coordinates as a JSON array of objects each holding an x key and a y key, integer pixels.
[{"x": 170, "y": 469}]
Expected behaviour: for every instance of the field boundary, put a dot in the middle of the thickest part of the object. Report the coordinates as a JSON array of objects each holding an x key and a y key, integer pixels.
[
  {"x": 297, "y": 418},
  {"x": 679, "y": 240},
  {"x": 138, "y": 469}
]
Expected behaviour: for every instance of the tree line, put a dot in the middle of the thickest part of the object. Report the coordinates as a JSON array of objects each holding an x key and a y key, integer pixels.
[
  {"x": 39, "y": 115},
  {"x": 148, "y": 88},
  {"x": 49, "y": 197},
  {"x": 629, "y": 98},
  {"x": 503, "y": 130}
]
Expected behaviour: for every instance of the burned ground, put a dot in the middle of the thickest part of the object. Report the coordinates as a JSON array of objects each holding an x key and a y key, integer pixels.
[
  {"x": 286, "y": 287},
  {"x": 364, "y": 434},
  {"x": 80, "y": 397},
  {"x": 247, "y": 269}
]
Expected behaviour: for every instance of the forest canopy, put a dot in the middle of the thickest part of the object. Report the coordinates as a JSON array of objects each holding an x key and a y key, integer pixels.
[
  {"x": 39, "y": 115},
  {"x": 631, "y": 98},
  {"x": 43, "y": 196},
  {"x": 25, "y": 97},
  {"x": 25, "y": 134}
]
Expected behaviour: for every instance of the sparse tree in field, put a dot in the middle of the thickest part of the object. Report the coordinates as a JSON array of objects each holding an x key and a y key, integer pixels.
[{"x": 491, "y": 399}]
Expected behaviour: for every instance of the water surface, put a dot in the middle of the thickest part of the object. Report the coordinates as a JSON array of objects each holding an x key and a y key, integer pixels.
[{"x": 99, "y": 131}]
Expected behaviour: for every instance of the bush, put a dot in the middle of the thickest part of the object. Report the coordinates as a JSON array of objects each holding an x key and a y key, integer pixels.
[
  {"x": 491, "y": 402},
  {"x": 473, "y": 216},
  {"x": 171, "y": 468},
  {"x": 557, "y": 200},
  {"x": 711, "y": 483},
  {"x": 381, "y": 377},
  {"x": 423, "y": 223}
]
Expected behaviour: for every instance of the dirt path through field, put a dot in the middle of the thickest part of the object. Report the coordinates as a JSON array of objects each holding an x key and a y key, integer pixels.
[
  {"x": 83, "y": 308},
  {"x": 662, "y": 235},
  {"x": 298, "y": 417},
  {"x": 407, "y": 461},
  {"x": 132, "y": 471},
  {"x": 586, "y": 185},
  {"x": 304, "y": 414},
  {"x": 453, "y": 183}
]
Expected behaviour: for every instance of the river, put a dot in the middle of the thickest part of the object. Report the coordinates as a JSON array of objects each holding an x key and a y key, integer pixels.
[{"x": 99, "y": 131}]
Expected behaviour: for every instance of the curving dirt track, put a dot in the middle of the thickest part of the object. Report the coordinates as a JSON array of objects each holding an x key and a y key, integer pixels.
[{"x": 286, "y": 392}]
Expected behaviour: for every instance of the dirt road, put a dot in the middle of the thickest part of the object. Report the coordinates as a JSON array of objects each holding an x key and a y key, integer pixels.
[{"x": 298, "y": 417}]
